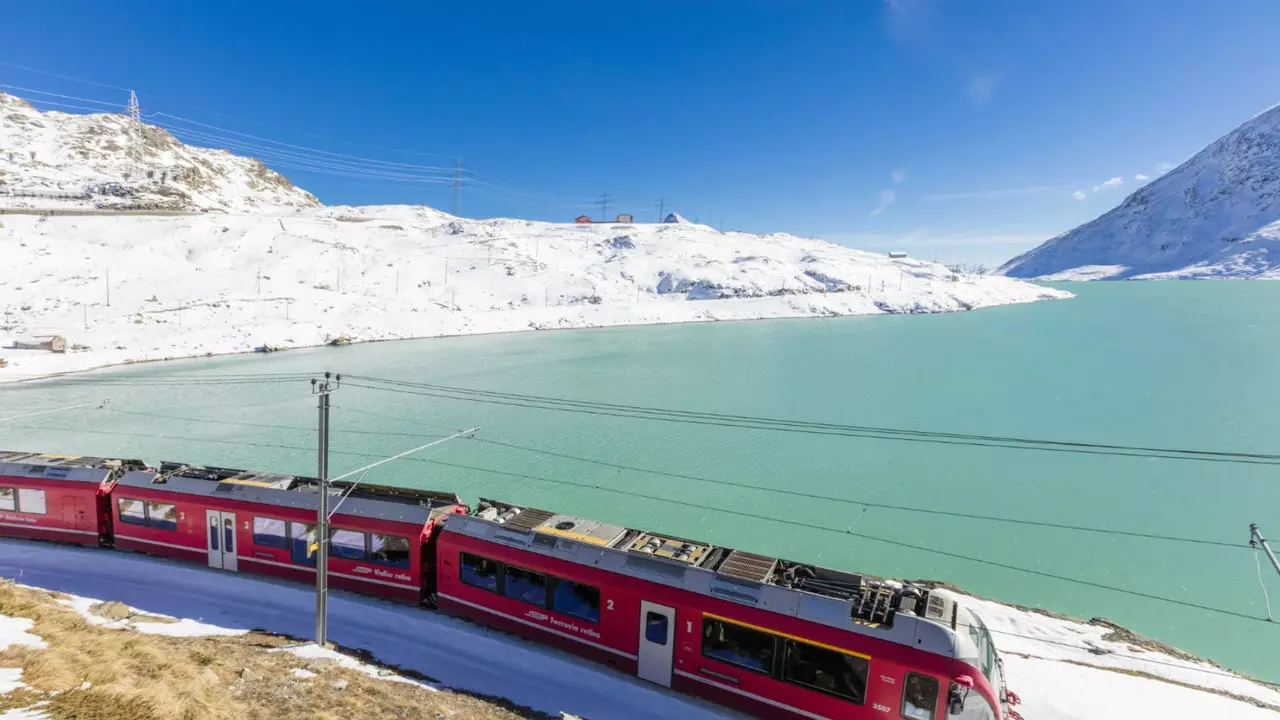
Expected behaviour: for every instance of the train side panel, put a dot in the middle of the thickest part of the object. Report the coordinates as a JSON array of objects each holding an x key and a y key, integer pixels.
[
  {"x": 49, "y": 509},
  {"x": 370, "y": 556},
  {"x": 632, "y": 617}
]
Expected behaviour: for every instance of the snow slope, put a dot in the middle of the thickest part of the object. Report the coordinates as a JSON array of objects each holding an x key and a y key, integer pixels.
[
  {"x": 273, "y": 268},
  {"x": 192, "y": 285},
  {"x": 1215, "y": 216},
  {"x": 105, "y": 160},
  {"x": 1063, "y": 669}
]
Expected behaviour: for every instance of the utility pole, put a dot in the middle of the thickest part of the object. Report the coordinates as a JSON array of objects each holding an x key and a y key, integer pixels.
[
  {"x": 1256, "y": 539},
  {"x": 322, "y": 389},
  {"x": 457, "y": 186},
  {"x": 605, "y": 199},
  {"x": 108, "y": 287},
  {"x": 662, "y": 208}
]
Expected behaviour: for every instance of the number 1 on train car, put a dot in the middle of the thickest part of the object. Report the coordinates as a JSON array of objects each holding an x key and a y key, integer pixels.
[{"x": 657, "y": 642}]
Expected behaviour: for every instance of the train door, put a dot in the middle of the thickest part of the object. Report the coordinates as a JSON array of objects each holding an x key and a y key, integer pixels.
[
  {"x": 75, "y": 513},
  {"x": 221, "y": 527},
  {"x": 657, "y": 643}
]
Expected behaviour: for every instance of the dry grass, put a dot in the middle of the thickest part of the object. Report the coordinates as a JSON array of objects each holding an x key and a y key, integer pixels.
[{"x": 134, "y": 676}]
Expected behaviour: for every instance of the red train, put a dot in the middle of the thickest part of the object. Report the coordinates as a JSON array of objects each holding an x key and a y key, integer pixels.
[{"x": 771, "y": 637}]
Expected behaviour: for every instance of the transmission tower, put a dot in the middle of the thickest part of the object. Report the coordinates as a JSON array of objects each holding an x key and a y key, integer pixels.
[
  {"x": 605, "y": 199},
  {"x": 135, "y": 110},
  {"x": 662, "y": 209}
]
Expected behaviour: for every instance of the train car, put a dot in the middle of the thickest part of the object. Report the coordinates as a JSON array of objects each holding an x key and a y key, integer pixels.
[
  {"x": 774, "y": 638},
  {"x": 58, "y": 497},
  {"x": 381, "y": 538}
]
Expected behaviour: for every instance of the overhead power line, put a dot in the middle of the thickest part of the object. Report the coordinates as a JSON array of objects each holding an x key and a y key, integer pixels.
[
  {"x": 684, "y": 476},
  {"x": 803, "y": 427},
  {"x": 316, "y": 151},
  {"x": 700, "y": 507},
  {"x": 114, "y": 105}
]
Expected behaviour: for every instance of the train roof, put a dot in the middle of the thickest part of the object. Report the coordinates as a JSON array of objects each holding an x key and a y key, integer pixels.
[
  {"x": 380, "y": 502},
  {"x": 878, "y": 607},
  {"x": 73, "y": 468}
]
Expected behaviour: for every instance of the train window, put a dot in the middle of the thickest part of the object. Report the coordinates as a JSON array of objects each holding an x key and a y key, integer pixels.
[
  {"x": 163, "y": 515},
  {"x": 390, "y": 550},
  {"x": 269, "y": 532},
  {"x": 526, "y": 586},
  {"x": 302, "y": 543},
  {"x": 919, "y": 697},
  {"x": 8, "y": 499},
  {"x": 655, "y": 628},
  {"x": 738, "y": 645},
  {"x": 346, "y": 544},
  {"x": 478, "y": 572},
  {"x": 31, "y": 501},
  {"x": 133, "y": 512},
  {"x": 828, "y": 671},
  {"x": 576, "y": 599}
]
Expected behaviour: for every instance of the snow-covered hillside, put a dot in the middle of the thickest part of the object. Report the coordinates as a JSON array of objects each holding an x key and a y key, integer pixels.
[
  {"x": 53, "y": 159},
  {"x": 1063, "y": 669},
  {"x": 192, "y": 285},
  {"x": 1215, "y": 216},
  {"x": 273, "y": 269}
]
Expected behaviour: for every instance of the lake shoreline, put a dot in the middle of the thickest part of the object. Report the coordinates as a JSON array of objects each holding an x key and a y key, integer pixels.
[{"x": 704, "y": 314}]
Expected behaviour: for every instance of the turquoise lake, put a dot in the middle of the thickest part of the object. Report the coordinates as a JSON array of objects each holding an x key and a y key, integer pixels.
[{"x": 1170, "y": 364}]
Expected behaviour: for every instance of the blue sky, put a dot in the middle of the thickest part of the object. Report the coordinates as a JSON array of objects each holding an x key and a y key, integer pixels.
[{"x": 968, "y": 131}]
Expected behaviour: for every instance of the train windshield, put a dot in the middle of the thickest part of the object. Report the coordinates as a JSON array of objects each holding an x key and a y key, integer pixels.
[{"x": 981, "y": 638}]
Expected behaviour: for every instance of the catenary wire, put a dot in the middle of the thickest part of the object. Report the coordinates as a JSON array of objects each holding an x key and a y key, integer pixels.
[
  {"x": 683, "y": 476},
  {"x": 851, "y": 431}
]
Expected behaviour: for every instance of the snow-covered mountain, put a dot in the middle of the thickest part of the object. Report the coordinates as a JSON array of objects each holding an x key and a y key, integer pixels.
[
  {"x": 1215, "y": 216},
  {"x": 107, "y": 161},
  {"x": 261, "y": 273}
]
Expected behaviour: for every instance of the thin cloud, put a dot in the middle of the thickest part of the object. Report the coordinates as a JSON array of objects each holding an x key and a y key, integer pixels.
[
  {"x": 899, "y": 175},
  {"x": 981, "y": 88},
  {"x": 886, "y": 198},
  {"x": 1000, "y": 193},
  {"x": 1113, "y": 182},
  {"x": 1079, "y": 194},
  {"x": 929, "y": 238},
  {"x": 908, "y": 19},
  {"x": 1140, "y": 177}
]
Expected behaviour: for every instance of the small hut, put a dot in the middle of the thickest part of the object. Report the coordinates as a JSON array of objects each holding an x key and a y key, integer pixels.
[{"x": 52, "y": 343}]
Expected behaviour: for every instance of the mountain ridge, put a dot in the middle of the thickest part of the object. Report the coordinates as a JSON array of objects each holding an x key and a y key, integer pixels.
[
  {"x": 106, "y": 161},
  {"x": 1217, "y": 215}
]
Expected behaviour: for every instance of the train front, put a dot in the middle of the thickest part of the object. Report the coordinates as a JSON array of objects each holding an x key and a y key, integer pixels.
[{"x": 978, "y": 691}]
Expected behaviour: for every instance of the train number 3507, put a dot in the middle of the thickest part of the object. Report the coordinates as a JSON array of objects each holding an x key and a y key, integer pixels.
[{"x": 881, "y": 708}]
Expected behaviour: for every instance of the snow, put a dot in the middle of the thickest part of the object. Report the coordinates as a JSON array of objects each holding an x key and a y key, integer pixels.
[
  {"x": 311, "y": 651},
  {"x": 1215, "y": 216},
  {"x": 211, "y": 284},
  {"x": 1031, "y": 639},
  {"x": 1063, "y": 669},
  {"x": 13, "y": 631},
  {"x": 266, "y": 266},
  {"x": 145, "y": 622},
  {"x": 54, "y": 159}
]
